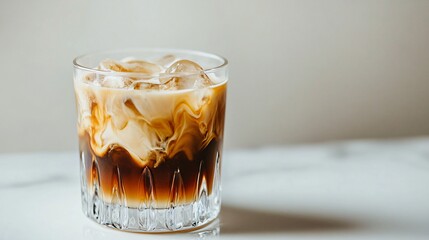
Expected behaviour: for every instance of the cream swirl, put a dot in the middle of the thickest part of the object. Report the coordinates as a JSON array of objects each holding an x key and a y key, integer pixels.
[{"x": 151, "y": 125}]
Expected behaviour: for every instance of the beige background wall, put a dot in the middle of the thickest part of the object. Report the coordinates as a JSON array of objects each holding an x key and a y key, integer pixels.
[{"x": 301, "y": 71}]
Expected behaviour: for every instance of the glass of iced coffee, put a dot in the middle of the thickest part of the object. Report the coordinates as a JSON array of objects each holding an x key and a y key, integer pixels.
[{"x": 150, "y": 125}]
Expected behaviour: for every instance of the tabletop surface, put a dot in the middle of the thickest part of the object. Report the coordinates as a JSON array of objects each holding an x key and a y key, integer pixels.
[{"x": 343, "y": 190}]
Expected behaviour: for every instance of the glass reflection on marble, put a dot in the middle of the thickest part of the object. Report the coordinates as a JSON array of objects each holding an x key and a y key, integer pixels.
[{"x": 92, "y": 231}]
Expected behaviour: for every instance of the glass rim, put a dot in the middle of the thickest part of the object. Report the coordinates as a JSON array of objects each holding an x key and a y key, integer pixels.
[{"x": 223, "y": 65}]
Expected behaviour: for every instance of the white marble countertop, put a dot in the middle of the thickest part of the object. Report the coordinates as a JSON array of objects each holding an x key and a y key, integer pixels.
[{"x": 344, "y": 190}]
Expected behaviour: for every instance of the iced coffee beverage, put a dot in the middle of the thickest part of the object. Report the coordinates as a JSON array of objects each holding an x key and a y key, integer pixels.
[{"x": 150, "y": 126}]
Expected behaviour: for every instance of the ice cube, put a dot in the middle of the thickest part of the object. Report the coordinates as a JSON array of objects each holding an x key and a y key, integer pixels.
[
  {"x": 112, "y": 65},
  {"x": 184, "y": 66},
  {"x": 90, "y": 77},
  {"x": 140, "y": 66},
  {"x": 193, "y": 76},
  {"x": 127, "y": 59},
  {"x": 141, "y": 85},
  {"x": 130, "y": 65},
  {"x": 145, "y": 84},
  {"x": 169, "y": 84},
  {"x": 115, "y": 82}
]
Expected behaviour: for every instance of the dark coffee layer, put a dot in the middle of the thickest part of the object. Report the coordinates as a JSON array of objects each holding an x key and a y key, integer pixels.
[{"x": 174, "y": 180}]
